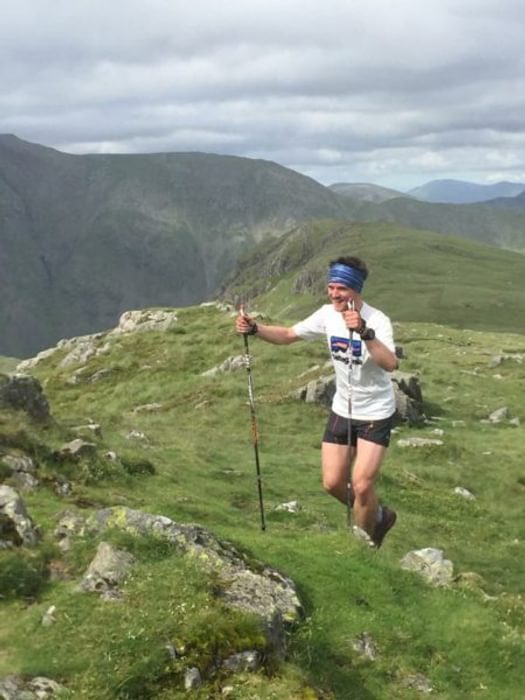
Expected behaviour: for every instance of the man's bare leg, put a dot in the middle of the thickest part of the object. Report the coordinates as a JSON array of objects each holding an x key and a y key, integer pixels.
[
  {"x": 335, "y": 465},
  {"x": 366, "y": 467}
]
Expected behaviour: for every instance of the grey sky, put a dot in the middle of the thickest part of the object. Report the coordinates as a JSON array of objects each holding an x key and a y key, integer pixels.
[{"x": 395, "y": 92}]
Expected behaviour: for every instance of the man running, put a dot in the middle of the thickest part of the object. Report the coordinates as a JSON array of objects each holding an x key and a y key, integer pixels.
[{"x": 372, "y": 353}]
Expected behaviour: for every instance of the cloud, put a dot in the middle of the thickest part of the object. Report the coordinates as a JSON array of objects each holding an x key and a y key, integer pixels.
[{"x": 398, "y": 92}]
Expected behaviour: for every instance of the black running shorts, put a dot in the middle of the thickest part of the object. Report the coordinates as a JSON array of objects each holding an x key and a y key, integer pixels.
[{"x": 377, "y": 431}]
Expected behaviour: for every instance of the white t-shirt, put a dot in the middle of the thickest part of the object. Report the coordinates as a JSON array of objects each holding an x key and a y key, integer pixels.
[{"x": 372, "y": 393}]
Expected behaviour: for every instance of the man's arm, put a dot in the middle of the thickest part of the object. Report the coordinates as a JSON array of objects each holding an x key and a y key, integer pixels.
[
  {"x": 278, "y": 335},
  {"x": 382, "y": 356}
]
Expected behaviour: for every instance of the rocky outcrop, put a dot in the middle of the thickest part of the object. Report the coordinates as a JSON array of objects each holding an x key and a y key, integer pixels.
[
  {"x": 145, "y": 320},
  {"x": 21, "y": 392},
  {"x": 81, "y": 349},
  {"x": 78, "y": 350},
  {"x": 242, "y": 585}
]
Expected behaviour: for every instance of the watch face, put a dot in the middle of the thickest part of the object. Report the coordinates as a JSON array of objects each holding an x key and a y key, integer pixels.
[{"x": 369, "y": 334}]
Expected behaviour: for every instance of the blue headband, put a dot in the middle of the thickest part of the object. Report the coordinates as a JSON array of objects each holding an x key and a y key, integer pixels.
[{"x": 346, "y": 275}]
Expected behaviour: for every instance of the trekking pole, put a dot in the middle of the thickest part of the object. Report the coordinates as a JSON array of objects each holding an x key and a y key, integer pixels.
[
  {"x": 255, "y": 435},
  {"x": 349, "y": 493}
]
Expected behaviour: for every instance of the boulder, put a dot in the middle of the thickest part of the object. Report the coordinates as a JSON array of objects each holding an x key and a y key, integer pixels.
[
  {"x": 464, "y": 493},
  {"x": 24, "y": 393},
  {"x": 229, "y": 365},
  {"x": 320, "y": 391},
  {"x": 192, "y": 678},
  {"x": 148, "y": 408},
  {"x": 37, "y": 688},
  {"x": 76, "y": 449},
  {"x": 88, "y": 430},
  {"x": 409, "y": 398},
  {"x": 23, "y": 471},
  {"x": 16, "y": 526},
  {"x": 48, "y": 618},
  {"x": 20, "y": 463},
  {"x": 418, "y": 682},
  {"x": 430, "y": 564},
  {"x": 245, "y": 661},
  {"x": 500, "y": 415},
  {"x": 69, "y": 525},
  {"x": 419, "y": 442},
  {"x": 289, "y": 507},
  {"x": 107, "y": 571},
  {"x": 365, "y": 646}
]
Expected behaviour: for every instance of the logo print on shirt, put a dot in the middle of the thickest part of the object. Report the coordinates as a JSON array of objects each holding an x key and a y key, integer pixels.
[{"x": 339, "y": 348}]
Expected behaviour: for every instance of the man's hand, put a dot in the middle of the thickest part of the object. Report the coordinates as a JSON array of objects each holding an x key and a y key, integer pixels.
[
  {"x": 244, "y": 324},
  {"x": 353, "y": 320}
]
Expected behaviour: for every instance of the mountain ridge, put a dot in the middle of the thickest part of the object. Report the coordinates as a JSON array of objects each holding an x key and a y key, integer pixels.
[
  {"x": 95, "y": 235},
  {"x": 450, "y": 191},
  {"x": 85, "y": 237},
  {"x": 365, "y": 191}
]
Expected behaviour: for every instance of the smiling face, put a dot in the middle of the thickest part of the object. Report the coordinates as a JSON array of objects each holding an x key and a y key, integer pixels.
[{"x": 340, "y": 296}]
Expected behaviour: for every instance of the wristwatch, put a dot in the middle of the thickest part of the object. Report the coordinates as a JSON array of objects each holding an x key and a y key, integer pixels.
[{"x": 367, "y": 333}]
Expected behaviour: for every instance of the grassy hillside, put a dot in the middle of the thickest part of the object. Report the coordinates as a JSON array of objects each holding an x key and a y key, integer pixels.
[
  {"x": 414, "y": 275},
  {"x": 467, "y": 641}
]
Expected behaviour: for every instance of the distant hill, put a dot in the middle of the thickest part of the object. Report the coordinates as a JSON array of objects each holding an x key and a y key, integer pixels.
[
  {"x": 508, "y": 202},
  {"x": 501, "y": 227},
  {"x": 365, "y": 192},
  {"x": 460, "y": 192},
  {"x": 83, "y": 238},
  {"x": 414, "y": 275}
]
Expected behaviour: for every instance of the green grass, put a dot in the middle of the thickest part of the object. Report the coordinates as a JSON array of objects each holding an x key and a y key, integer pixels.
[{"x": 199, "y": 445}]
